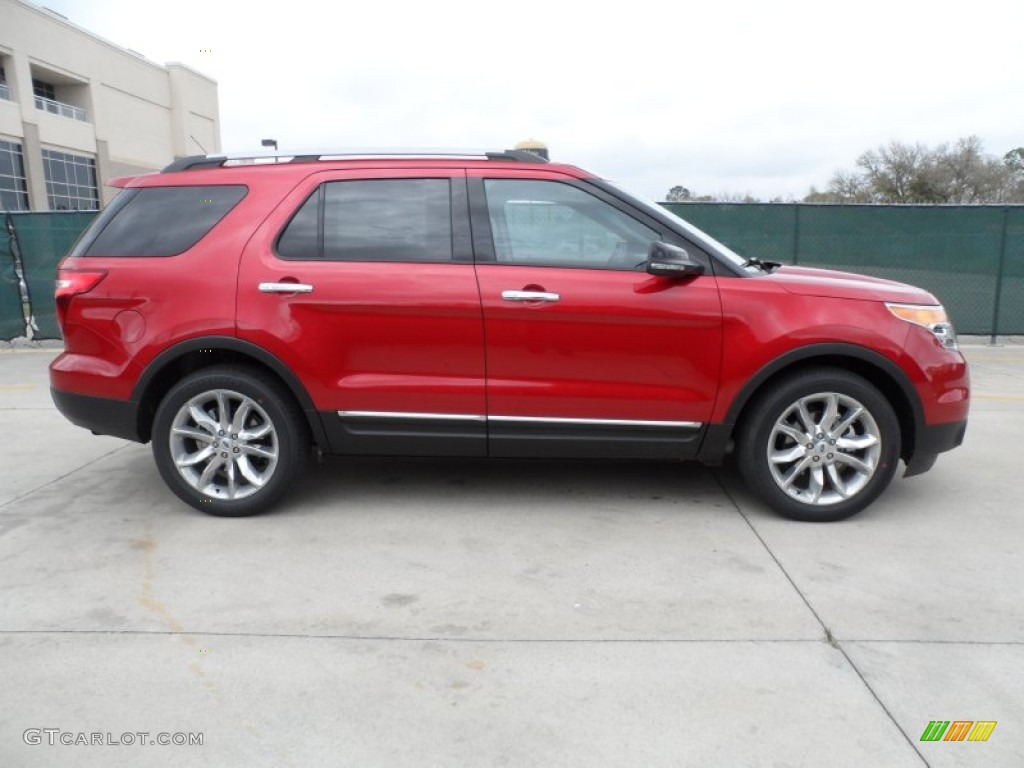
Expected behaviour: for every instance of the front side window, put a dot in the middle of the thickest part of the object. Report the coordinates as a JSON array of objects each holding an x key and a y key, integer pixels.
[
  {"x": 70, "y": 181},
  {"x": 158, "y": 221},
  {"x": 13, "y": 185},
  {"x": 405, "y": 220},
  {"x": 551, "y": 224}
]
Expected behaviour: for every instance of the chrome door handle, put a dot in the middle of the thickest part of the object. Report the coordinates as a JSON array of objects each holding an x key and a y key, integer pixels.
[
  {"x": 529, "y": 296},
  {"x": 285, "y": 288}
]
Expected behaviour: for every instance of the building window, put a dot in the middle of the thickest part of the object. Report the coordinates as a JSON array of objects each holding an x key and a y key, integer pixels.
[
  {"x": 43, "y": 89},
  {"x": 70, "y": 182},
  {"x": 13, "y": 186},
  {"x": 5, "y": 90}
]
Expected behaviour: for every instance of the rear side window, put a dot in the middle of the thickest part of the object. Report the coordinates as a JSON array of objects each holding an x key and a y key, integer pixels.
[
  {"x": 373, "y": 220},
  {"x": 158, "y": 221},
  {"x": 302, "y": 239}
]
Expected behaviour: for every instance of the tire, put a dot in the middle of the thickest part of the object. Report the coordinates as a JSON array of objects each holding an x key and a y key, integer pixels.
[
  {"x": 220, "y": 471},
  {"x": 819, "y": 479}
]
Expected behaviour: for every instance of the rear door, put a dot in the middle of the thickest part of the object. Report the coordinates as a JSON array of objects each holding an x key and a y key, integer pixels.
[
  {"x": 587, "y": 354},
  {"x": 363, "y": 284}
]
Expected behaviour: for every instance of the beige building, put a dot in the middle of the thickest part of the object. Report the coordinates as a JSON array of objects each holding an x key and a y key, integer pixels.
[{"x": 77, "y": 110}]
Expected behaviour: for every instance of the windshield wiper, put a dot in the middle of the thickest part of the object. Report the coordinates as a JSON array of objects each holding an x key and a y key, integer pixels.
[{"x": 767, "y": 266}]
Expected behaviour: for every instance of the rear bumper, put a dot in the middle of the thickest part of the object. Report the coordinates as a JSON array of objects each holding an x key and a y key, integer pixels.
[
  {"x": 101, "y": 415},
  {"x": 933, "y": 440}
]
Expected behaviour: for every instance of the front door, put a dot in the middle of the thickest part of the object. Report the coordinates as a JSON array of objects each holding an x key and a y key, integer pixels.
[{"x": 587, "y": 354}]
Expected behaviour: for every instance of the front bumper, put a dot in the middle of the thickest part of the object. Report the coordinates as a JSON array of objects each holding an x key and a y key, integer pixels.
[{"x": 931, "y": 441}]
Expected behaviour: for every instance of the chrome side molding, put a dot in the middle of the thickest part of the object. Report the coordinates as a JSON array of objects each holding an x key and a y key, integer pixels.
[{"x": 520, "y": 419}]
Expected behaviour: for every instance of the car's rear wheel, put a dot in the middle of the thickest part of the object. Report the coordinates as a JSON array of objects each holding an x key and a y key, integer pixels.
[
  {"x": 819, "y": 446},
  {"x": 229, "y": 440}
]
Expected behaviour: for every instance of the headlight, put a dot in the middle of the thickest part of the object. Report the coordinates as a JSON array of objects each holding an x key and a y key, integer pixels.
[{"x": 930, "y": 316}]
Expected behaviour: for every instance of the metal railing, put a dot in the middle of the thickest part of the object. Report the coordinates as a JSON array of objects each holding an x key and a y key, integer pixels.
[
  {"x": 60, "y": 108},
  {"x": 5, "y": 92}
]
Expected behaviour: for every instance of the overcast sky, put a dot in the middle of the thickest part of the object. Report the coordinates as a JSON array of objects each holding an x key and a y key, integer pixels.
[{"x": 740, "y": 96}]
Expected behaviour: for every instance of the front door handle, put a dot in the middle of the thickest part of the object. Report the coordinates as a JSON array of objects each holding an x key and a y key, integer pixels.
[
  {"x": 529, "y": 296},
  {"x": 286, "y": 288}
]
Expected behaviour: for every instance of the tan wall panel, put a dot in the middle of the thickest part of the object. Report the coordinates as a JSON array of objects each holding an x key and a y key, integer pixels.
[
  {"x": 137, "y": 131},
  {"x": 205, "y": 132},
  {"x": 10, "y": 118},
  {"x": 65, "y": 133}
]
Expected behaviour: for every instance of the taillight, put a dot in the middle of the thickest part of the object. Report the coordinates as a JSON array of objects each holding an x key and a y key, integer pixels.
[{"x": 72, "y": 282}]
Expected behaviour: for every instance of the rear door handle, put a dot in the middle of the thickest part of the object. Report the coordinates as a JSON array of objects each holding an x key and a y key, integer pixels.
[
  {"x": 529, "y": 296},
  {"x": 285, "y": 288}
]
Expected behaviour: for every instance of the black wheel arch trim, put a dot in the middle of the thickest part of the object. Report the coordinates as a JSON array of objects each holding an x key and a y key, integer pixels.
[
  {"x": 717, "y": 442},
  {"x": 233, "y": 344}
]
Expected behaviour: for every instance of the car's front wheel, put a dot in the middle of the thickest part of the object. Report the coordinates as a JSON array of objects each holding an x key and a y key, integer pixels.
[
  {"x": 229, "y": 440},
  {"x": 819, "y": 446}
]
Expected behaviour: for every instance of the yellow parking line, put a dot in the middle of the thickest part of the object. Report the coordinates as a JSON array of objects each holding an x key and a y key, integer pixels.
[
  {"x": 17, "y": 386},
  {"x": 1013, "y": 398}
]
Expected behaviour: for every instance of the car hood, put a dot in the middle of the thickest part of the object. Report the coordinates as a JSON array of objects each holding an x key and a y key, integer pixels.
[{"x": 808, "y": 281}]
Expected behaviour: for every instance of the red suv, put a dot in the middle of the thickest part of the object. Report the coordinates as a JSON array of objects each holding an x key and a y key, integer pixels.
[{"x": 237, "y": 312}]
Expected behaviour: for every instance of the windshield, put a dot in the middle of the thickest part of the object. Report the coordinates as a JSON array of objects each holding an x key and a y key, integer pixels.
[{"x": 701, "y": 237}]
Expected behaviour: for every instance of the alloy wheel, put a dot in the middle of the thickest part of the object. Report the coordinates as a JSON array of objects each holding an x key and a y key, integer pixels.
[
  {"x": 224, "y": 444},
  {"x": 824, "y": 448}
]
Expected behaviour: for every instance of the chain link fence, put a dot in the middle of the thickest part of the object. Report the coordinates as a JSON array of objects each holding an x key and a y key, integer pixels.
[{"x": 970, "y": 257}]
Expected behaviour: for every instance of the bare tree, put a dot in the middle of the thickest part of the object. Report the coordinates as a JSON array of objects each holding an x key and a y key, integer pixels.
[
  {"x": 913, "y": 173},
  {"x": 894, "y": 172},
  {"x": 848, "y": 186},
  {"x": 967, "y": 175}
]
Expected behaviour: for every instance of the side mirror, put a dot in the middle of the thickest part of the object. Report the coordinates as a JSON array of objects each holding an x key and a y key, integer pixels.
[{"x": 665, "y": 260}]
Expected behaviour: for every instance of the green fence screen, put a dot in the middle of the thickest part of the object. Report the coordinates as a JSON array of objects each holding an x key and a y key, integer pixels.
[
  {"x": 970, "y": 257},
  {"x": 43, "y": 239}
]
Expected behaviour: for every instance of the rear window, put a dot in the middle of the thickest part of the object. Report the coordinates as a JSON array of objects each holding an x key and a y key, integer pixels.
[
  {"x": 406, "y": 220},
  {"x": 158, "y": 221}
]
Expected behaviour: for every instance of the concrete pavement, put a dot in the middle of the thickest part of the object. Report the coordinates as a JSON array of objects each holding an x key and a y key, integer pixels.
[{"x": 453, "y": 613}]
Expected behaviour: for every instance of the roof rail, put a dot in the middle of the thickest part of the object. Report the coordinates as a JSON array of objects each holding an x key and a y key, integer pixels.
[{"x": 196, "y": 162}]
